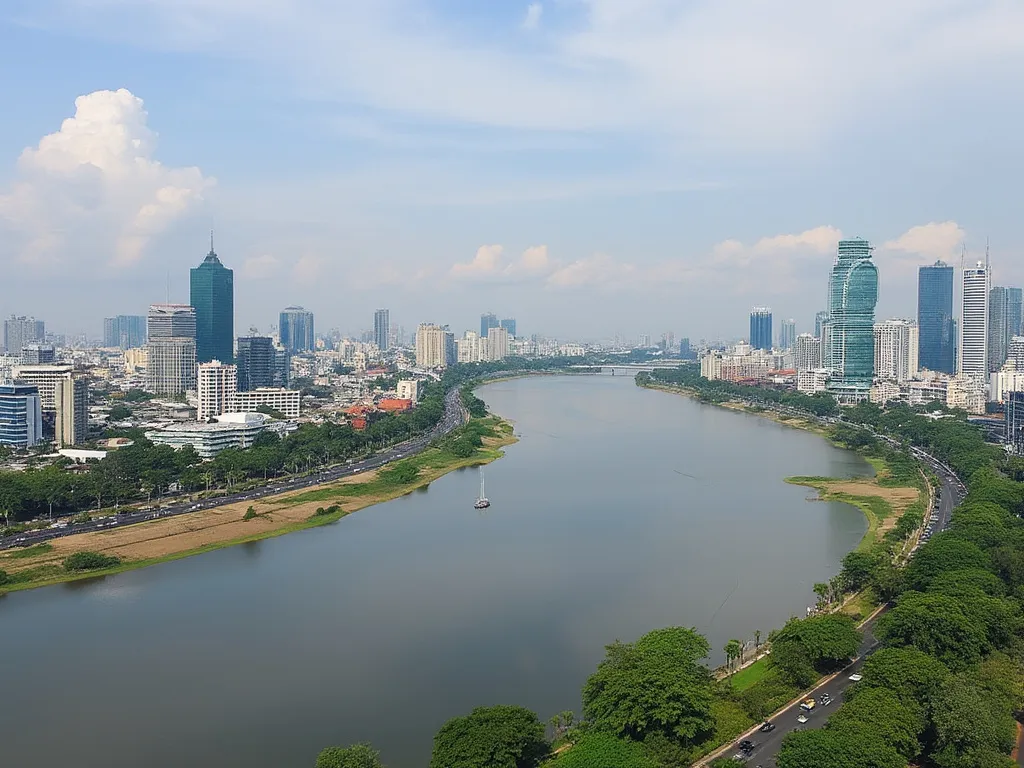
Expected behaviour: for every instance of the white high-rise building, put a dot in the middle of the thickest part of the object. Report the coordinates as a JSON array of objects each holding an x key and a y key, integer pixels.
[
  {"x": 218, "y": 383},
  {"x": 896, "y": 343},
  {"x": 972, "y": 360},
  {"x": 431, "y": 346},
  {"x": 171, "y": 349},
  {"x": 496, "y": 344},
  {"x": 71, "y": 403},
  {"x": 806, "y": 352},
  {"x": 468, "y": 348}
]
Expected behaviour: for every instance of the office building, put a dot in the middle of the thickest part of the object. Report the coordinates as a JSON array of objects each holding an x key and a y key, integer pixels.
[
  {"x": 38, "y": 354},
  {"x": 171, "y": 349},
  {"x": 497, "y": 344},
  {"x": 124, "y": 331},
  {"x": 685, "y": 352},
  {"x": 382, "y": 329},
  {"x": 1015, "y": 352},
  {"x": 761, "y": 328},
  {"x": 935, "y": 322},
  {"x": 820, "y": 318},
  {"x": 853, "y": 293},
  {"x": 213, "y": 297},
  {"x": 282, "y": 367},
  {"x": 71, "y": 404},
  {"x": 1015, "y": 422},
  {"x": 287, "y": 402},
  {"x": 230, "y": 430},
  {"x": 488, "y": 320},
  {"x": 296, "y": 330},
  {"x": 1002, "y": 383},
  {"x": 217, "y": 384},
  {"x": 972, "y": 361},
  {"x": 1004, "y": 318},
  {"x": 21, "y": 331},
  {"x": 21, "y": 417},
  {"x": 451, "y": 352},
  {"x": 896, "y": 350},
  {"x": 806, "y": 353},
  {"x": 787, "y": 334},
  {"x": 509, "y": 324},
  {"x": 256, "y": 360},
  {"x": 45, "y": 378},
  {"x": 431, "y": 346}
]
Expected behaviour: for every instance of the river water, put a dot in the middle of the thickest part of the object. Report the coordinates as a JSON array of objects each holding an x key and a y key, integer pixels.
[{"x": 619, "y": 511}]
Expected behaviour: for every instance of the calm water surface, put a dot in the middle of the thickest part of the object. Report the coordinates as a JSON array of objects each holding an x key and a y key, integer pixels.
[{"x": 619, "y": 511}]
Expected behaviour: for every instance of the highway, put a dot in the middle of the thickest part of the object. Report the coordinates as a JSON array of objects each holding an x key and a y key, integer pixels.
[
  {"x": 454, "y": 416},
  {"x": 766, "y": 745}
]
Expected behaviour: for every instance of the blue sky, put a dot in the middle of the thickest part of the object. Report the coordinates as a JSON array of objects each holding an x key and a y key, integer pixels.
[{"x": 590, "y": 166}]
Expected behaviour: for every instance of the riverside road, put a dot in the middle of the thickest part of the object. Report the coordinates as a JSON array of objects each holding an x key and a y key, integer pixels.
[
  {"x": 766, "y": 745},
  {"x": 454, "y": 416}
]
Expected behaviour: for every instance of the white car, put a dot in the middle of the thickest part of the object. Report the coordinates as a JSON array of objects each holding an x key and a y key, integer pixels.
[
  {"x": 856, "y": 678},
  {"x": 802, "y": 719}
]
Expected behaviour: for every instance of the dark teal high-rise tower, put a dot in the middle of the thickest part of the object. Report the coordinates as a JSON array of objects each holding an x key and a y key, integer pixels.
[{"x": 213, "y": 297}]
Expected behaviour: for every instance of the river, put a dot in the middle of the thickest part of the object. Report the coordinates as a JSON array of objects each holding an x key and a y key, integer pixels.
[{"x": 619, "y": 511}]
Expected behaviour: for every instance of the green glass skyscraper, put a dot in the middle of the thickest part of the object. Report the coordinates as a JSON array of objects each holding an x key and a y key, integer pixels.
[
  {"x": 213, "y": 297},
  {"x": 853, "y": 293}
]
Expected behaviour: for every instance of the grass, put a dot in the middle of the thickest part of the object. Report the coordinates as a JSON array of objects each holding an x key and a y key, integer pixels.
[
  {"x": 861, "y": 605},
  {"x": 750, "y": 675},
  {"x": 36, "y": 549},
  {"x": 875, "y": 509}
]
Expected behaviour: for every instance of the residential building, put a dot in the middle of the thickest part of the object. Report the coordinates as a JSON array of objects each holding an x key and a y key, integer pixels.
[
  {"x": 287, "y": 402},
  {"x": 21, "y": 418},
  {"x": 212, "y": 293},
  {"x": 1015, "y": 352},
  {"x": 884, "y": 392},
  {"x": 853, "y": 292},
  {"x": 1005, "y": 381},
  {"x": 966, "y": 393},
  {"x": 927, "y": 390},
  {"x": 20, "y": 331},
  {"x": 488, "y": 320},
  {"x": 431, "y": 346},
  {"x": 171, "y": 349},
  {"x": 811, "y": 382},
  {"x": 229, "y": 430},
  {"x": 71, "y": 404},
  {"x": 935, "y": 322},
  {"x": 820, "y": 318},
  {"x": 787, "y": 334},
  {"x": 761, "y": 328},
  {"x": 217, "y": 385},
  {"x": 468, "y": 348},
  {"x": 409, "y": 389},
  {"x": 1015, "y": 422},
  {"x": 896, "y": 350},
  {"x": 124, "y": 331},
  {"x": 497, "y": 344},
  {"x": 1004, "y": 320},
  {"x": 509, "y": 324},
  {"x": 972, "y": 361},
  {"x": 711, "y": 365},
  {"x": 806, "y": 352},
  {"x": 45, "y": 378},
  {"x": 295, "y": 328},
  {"x": 255, "y": 358},
  {"x": 382, "y": 329},
  {"x": 38, "y": 354}
]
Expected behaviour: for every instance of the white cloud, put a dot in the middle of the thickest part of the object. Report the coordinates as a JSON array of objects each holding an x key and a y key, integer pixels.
[
  {"x": 489, "y": 263},
  {"x": 597, "y": 271},
  {"x": 533, "y": 13},
  {"x": 777, "y": 248},
  {"x": 92, "y": 193},
  {"x": 486, "y": 263},
  {"x": 308, "y": 268},
  {"x": 934, "y": 240},
  {"x": 260, "y": 267}
]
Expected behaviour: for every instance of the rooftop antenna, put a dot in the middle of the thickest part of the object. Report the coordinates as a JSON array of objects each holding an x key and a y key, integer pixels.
[{"x": 211, "y": 241}]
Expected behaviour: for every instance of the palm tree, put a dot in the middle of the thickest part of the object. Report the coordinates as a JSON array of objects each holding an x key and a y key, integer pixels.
[
  {"x": 821, "y": 589},
  {"x": 733, "y": 650},
  {"x": 757, "y": 640}
]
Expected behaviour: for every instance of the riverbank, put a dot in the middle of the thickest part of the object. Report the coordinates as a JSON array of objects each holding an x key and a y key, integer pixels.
[{"x": 173, "y": 538}]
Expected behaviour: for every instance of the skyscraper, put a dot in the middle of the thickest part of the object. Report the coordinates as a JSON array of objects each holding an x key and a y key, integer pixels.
[
  {"x": 509, "y": 324},
  {"x": 896, "y": 350},
  {"x": 255, "y": 360},
  {"x": 124, "y": 331},
  {"x": 1004, "y": 318},
  {"x": 973, "y": 359},
  {"x": 935, "y": 322},
  {"x": 382, "y": 329},
  {"x": 820, "y": 318},
  {"x": 853, "y": 293},
  {"x": 761, "y": 328},
  {"x": 216, "y": 387},
  {"x": 71, "y": 404},
  {"x": 171, "y": 364},
  {"x": 787, "y": 335},
  {"x": 296, "y": 330},
  {"x": 488, "y": 320},
  {"x": 20, "y": 331},
  {"x": 807, "y": 352},
  {"x": 432, "y": 346},
  {"x": 213, "y": 296},
  {"x": 21, "y": 417}
]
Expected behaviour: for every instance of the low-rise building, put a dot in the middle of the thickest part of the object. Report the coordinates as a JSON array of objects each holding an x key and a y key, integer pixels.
[
  {"x": 409, "y": 389},
  {"x": 229, "y": 430},
  {"x": 812, "y": 381},
  {"x": 883, "y": 392},
  {"x": 966, "y": 393},
  {"x": 285, "y": 401}
]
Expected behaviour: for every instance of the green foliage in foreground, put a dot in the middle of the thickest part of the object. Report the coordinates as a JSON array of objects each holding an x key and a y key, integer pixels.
[
  {"x": 603, "y": 750},
  {"x": 838, "y": 748},
  {"x": 806, "y": 648},
  {"x": 89, "y": 561},
  {"x": 356, "y": 756},
  {"x": 491, "y": 737}
]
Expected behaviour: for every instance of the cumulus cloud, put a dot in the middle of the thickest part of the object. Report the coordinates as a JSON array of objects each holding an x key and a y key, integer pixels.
[
  {"x": 817, "y": 241},
  {"x": 489, "y": 263},
  {"x": 260, "y": 267},
  {"x": 308, "y": 268},
  {"x": 486, "y": 263},
  {"x": 92, "y": 192},
  {"x": 934, "y": 240},
  {"x": 596, "y": 271},
  {"x": 533, "y": 13}
]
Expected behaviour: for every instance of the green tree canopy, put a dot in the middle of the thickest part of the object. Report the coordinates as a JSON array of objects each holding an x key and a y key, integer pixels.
[
  {"x": 816, "y": 644},
  {"x": 502, "y": 736},
  {"x": 972, "y": 727},
  {"x": 655, "y": 685},
  {"x": 356, "y": 756},
  {"x": 881, "y": 712},
  {"x": 603, "y": 750},
  {"x": 944, "y": 553},
  {"x": 935, "y": 624},
  {"x": 913, "y": 675},
  {"x": 838, "y": 748}
]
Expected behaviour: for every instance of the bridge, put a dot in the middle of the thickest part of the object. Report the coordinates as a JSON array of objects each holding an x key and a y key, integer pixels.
[{"x": 631, "y": 367}]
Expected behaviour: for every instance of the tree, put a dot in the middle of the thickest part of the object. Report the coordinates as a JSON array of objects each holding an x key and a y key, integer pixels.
[
  {"x": 733, "y": 651},
  {"x": 943, "y": 553},
  {"x": 490, "y": 737},
  {"x": 858, "y": 568},
  {"x": 838, "y": 748},
  {"x": 562, "y": 723},
  {"x": 655, "y": 685},
  {"x": 970, "y": 725},
  {"x": 913, "y": 675},
  {"x": 815, "y": 644},
  {"x": 821, "y": 590},
  {"x": 356, "y": 756},
  {"x": 935, "y": 624},
  {"x": 881, "y": 712},
  {"x": 603, "y": 750}
]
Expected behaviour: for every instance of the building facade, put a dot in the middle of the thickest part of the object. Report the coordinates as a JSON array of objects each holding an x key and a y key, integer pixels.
[
  {"x": 509, "y": 324},
  {"x": 295, "y": 328},
  {"x": 233, "y": 430},
  {"x": 212, "y": 294},
  {"x": 38, "y": 354},
  {"x": 935, "y": 322},
  {"x": 217, "y": 384},
  {"x": 972, "y": 361},
  {"x": 287, "y": 402},
  {"x": 20, "y": 331},
  {"x": 124, "y": 331},
  {"x": 1004, "y": 320},
  {"x": 71, "y": 404},
  {"x": 820, "y": 318},
  {"x": 1015, "y": 422},
  {"x": 431, "y": 346},
  {"x": 761, "y": 328},
  {"x": 382, "y": 329},
  {"x": 497, "y": 344},
  {"x": 853, "y": 293},
  {"x": 409, "y": 389},
  {"x": 806, "y": 352},
  {"x": 467, "y": 349},
  {"x": 255, "y": 358},
  {"x": 896, "y": 349},
  {"x": 488, "y": 320},
  {"x": 787, "y": 334},
  {"x": 171, "y": 349},
  {"x": 21, "y": 417}
]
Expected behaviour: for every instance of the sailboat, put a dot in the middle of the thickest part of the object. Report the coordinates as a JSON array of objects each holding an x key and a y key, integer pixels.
[{"x": 482, "y": 502}]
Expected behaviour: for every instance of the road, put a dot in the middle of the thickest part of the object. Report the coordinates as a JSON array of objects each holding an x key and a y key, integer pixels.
[
  {"x": 766, "y": 745},
  {"x": 454, "y": 415}
]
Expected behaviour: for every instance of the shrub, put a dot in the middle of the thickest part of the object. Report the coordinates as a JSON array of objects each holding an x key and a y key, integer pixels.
[
  {"x": 250, "y": 513},
  {"x": 89, "y": 561}
]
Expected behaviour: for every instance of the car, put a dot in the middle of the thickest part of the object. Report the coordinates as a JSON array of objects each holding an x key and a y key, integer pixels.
[
  {"x": 746, "y": 745},
  {"x": 826, "y": 700},
  {"x": 766, "y": 727},
  {"x": 807, "y": 704},
  {"x": 802, "y": 719},
  {"x": 857, "y": 678}
]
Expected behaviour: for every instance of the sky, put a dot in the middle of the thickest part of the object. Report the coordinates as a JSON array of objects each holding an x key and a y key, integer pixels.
[{"x": 590, "y": 167}]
